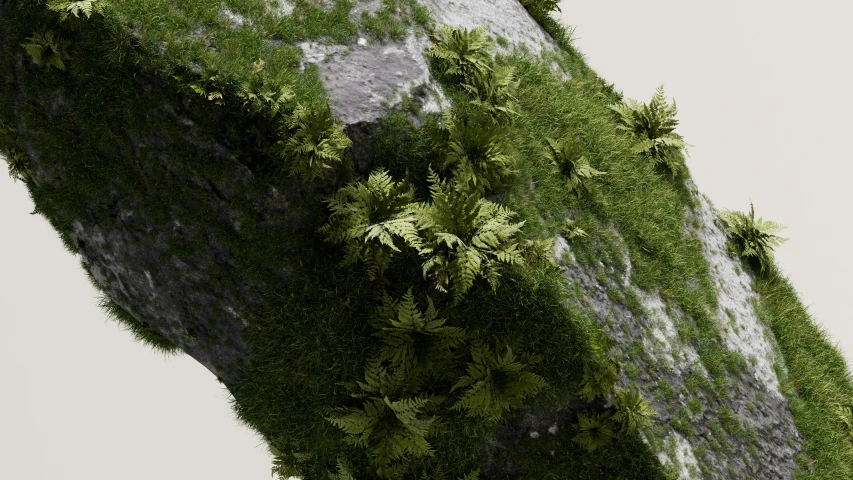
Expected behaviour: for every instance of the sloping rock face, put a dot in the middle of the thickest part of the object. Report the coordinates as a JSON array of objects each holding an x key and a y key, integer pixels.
[
  {"x": 754, "y": 399},
  {"x": 183, "y": 268}
]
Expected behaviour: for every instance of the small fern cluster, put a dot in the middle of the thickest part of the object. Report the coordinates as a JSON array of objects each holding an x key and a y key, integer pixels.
[
  {"x": 652, "y": 127},
  {"x": 460, "y": 235},
  {"x": 567, "y": 156},
  {"x": 753, "y": 239},
  {"x": 314, "y": 139},
  {"x": 475, "y": 142},
  {"x": 630, "y": 412},
  {"x": 406, "y": 379},
  {"x": 541, "y": 8}
]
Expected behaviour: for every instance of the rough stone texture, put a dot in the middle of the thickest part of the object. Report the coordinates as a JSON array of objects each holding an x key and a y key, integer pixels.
[
  {"x": 667, "y": 357},
  {"x": 364, "y": 81}
]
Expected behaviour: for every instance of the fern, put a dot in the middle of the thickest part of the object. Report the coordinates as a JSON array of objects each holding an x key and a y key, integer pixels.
[
  {"x": 45, "y": 48},
  {"x": 633, "y": 412},
  {"x": 343, "y": 473},
  {"x": 493, "y": 92},
  {"x": 75, "y": 7},
  {"x": 595, "y": 430},
  {"x": 495, "y": 383},
  {"x": 373, "y": 220},
  {"x": 476, "y": 151},
  {"x": 466, "y": 237},
  {"x": 462, "y": 51},
  {"x": 259, "y": 94},
  {"x": 315, "y": 140},
  {"x": 539, "y": 252},
  {"x": 845, "y": 415},
  {"x": 18, "y": 163},
  {"x": 753, "y": 239},
  {"x": 417, "y": 342},
  {"x": 571, "y": 230},
  {"x": 289, "y": 458},
  {"x": 653, "y": 129},
  {"x": 389, "y": 431},
  {"x": 598, "y": 379},
  {"x": 568, "y": 157},
  {"x": 541, "y": 8}
]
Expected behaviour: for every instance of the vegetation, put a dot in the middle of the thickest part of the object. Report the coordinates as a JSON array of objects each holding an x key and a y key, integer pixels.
[
  {"x": 461, "y": 52},
  {"x": 373, "y": 220},
  {"x": 313, "y": 141},
  {"x": 375, "y": 384},
  {"x": 568, "y": 157},
  {"x": 46, "y": 48},
  {"x": 753, "y": 239},
  {"x": 653, "y": 128},
  {"x": 466, "y": 237}
]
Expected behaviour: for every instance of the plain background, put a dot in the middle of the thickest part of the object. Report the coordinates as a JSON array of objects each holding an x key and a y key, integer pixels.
[{"x": 762, "y": 91}]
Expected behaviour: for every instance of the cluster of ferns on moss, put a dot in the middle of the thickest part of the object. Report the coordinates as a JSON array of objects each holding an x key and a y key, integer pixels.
[{"x": 422, "y": 366}]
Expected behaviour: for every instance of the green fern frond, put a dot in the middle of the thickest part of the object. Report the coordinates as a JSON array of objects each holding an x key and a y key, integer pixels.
[
  {"x": 18, "y": 163},
  {"x": 633, "y": 412},
  {"x": 571, "y": 230},
  {"x": 754, "y": 239},
  {"x": 261, "y": 95},
  {"x": 541, "y": 8},
  {"x": 493, "y": 92},
  {"x": 595, "y": 430},
  {"x": 462, "y": 51},
  {"x": 417, "y": 342},
  {"x": 538, "y": 252},
  {"x": 67, "y": 8},
  {"x": 314, "y": 141},
  {"x": 567, "y": 157},
  {"x": 466, "y": 237},
  {"x": 374, "y": 221},
  {"x": 495, "y": 383},
  {"x": 477, "y": 153},
  {"x": 389, "y": 430},
  {"x": 652, "y": 127},
  {"x": 343, "y": 473},
  {"x": 598, "y": 379},
  {"x": 46, "y": 48}
]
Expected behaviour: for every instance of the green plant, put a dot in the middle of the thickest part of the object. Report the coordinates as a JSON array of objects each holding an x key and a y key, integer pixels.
[
  {"x": 476, "y": 151},
  {"x": 595, "y": 430},
  {"x": 653, "y": 128},
  {"x": 343, "y": 473},
  {"x": 753, "y": 239},
  {"x": 540, "y": 8},
  {"x": 46, "y": 48},
  {"x": 568, "y": 157},
  {"x": 493, "y": 92},
  {"x": 314, "y": 140},
  {"x": 598, "y": 379},
  {"x": 571, "y": 230},
  {"x": 76, "y": 7},
  {"x": 260, "y": 94},
  {"x": 538, "y": 252},
  {"x": 415, "y": 342},
  {"x": 18, "y": 163},
  {"x": 465, "y": 237},
  {"x": 845, "y": 415},
  {"x": 462, "y": 51},
  {"x": 496, "y": 383},
  {"x": 389, "y": 431},
  {"x": 373, "y": 220},
  {"x": 633, "y": 412}
]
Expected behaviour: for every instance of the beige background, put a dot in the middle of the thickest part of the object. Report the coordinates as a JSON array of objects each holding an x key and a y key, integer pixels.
[{"x": 761, "y": 89}]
